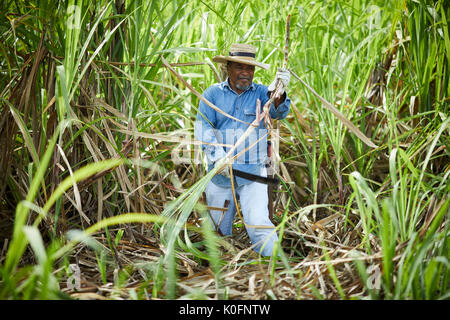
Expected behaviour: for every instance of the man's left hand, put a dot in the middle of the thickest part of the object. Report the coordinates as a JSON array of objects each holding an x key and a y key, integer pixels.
[{"x": 282, "y": 75}]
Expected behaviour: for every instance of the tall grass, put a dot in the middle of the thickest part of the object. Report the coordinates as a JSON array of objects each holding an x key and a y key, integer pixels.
[{"x": 90, "y": 116}]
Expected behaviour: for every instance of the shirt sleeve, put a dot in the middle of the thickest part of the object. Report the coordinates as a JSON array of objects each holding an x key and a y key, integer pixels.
[
  {"x": 204, "y": 129},
  {"x": 282, "y": 111}
]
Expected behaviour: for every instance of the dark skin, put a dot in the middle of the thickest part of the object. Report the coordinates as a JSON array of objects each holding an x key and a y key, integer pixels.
[{"x": 241, "y": 76}]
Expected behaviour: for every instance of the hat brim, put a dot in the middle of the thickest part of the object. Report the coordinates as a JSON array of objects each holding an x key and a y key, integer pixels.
[{"x": 223, "y": 59}]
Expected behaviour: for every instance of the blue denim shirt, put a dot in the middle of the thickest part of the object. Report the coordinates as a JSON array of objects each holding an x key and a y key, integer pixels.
[{"x": 211, "y": 127}]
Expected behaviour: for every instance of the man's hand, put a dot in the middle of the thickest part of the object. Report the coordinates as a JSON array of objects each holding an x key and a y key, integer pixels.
[
  {"x": 224, "y": 162},
  {"x": 282, "y": 75}
]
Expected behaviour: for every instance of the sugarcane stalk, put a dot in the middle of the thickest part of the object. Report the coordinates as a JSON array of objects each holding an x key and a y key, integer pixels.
[
  {"x": 279, "y": 86},
  {"x": 286, "y": 45},
  {"x": 279, "y": 89}
]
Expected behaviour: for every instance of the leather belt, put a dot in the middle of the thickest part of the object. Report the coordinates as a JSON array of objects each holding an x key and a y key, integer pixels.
[{"x": 256, "y": 178}]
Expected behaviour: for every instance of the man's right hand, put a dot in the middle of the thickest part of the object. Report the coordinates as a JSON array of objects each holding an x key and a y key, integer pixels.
[{"x": 225, "y": 171}]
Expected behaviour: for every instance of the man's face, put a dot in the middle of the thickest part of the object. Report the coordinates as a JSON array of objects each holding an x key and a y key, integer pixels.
[{"x": 241, "y": 76}]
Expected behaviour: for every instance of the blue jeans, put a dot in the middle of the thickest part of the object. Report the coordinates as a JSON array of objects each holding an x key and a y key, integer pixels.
[{"x": 254, "y": 200}]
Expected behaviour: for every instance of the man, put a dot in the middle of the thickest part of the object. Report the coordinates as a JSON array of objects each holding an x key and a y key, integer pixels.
[{"x": 237, "y": 96}]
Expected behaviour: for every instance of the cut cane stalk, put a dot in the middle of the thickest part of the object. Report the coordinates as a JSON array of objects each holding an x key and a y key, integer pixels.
[
  {"x": 338, "y": 114},
  {"x": 195, "y": 92}
]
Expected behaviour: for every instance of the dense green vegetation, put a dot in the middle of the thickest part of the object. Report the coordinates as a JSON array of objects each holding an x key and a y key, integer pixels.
[{"x": 91, "y": 117}]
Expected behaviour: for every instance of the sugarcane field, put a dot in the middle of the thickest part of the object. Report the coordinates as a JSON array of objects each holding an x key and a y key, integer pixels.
[{"x": 224, "y": 150}]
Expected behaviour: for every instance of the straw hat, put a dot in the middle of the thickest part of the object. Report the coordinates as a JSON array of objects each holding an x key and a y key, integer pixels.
[{"x": 242, "y": 53}]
